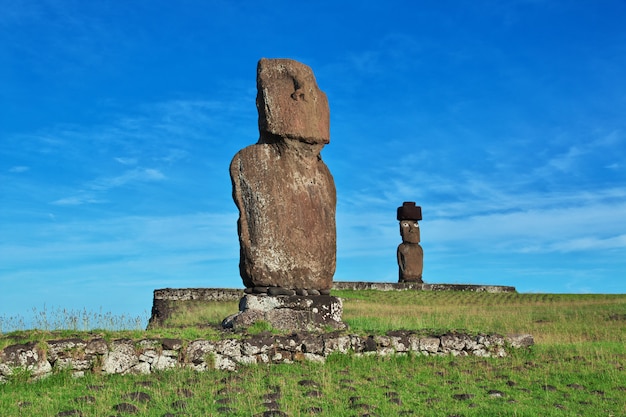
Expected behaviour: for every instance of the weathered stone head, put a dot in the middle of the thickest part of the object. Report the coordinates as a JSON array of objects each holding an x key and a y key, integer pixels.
[
  {"x": 290, "y": 104},
  {"x": 408, "y": 215}
]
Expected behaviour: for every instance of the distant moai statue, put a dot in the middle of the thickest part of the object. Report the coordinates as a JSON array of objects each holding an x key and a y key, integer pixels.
[
  {"x": 410, "y": 253},
  {"x": 285, "y": 193}
]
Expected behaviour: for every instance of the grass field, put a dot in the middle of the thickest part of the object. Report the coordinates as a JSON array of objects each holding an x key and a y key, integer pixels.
[{"x": 577, "y": 366}]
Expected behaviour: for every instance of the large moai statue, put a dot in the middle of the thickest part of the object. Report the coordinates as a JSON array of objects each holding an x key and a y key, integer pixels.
[
  {"x": 286, "y": 199},
  {"x": 410, "y": 253},
  {"x": 283, "y": 190}
]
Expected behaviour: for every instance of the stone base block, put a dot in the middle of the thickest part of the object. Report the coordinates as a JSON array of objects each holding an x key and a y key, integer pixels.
[{"x": 288, "y": 313}]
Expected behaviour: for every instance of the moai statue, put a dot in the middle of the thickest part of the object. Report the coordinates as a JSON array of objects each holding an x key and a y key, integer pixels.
[
  {"x": 410, "y": 253},
  {"x": 286, "y": 199},
  {"x": 284, "y": 192}
]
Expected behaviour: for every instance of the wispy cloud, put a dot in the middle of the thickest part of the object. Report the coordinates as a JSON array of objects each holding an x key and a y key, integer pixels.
[
  {"x": 147, "y": 242},
  {"x": 137, "y": 175},
  {"x": 94, "y": 192},
  {"x": 152, "y": 144},
  {"x": 77, "y": 200},
  {"x": 126, "y": 161}
]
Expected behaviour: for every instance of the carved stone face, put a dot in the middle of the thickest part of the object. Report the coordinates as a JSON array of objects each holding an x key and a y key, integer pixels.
[
  {"x": 410, "y": 231},
  {"x": 290, "y": 103}
]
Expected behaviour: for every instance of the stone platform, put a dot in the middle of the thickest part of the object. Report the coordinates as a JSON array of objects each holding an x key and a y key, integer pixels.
[
  {"x": 290, "y": 313},
  {"x": 166, "y": 301},
  {"x": 403, "y": 286}
]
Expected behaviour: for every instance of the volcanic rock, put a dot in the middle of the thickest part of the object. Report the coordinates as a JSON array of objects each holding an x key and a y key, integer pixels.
[{"x": 284, "y": 192}]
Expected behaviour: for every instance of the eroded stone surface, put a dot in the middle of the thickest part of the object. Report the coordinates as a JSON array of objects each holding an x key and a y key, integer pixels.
[
  {"x": 121, "y": 358},
  {"x": 284, "y": 192}
]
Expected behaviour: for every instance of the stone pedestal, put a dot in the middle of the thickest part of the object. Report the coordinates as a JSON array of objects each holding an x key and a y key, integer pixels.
[{"x": 289, "y": 313}]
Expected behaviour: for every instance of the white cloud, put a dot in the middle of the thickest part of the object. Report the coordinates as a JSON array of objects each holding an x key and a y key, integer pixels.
[
  {"x": 131, "y": 176},
  {"x": 590, "y": 243},
  {"x": 18, "y": 169},
  {"x": 126, "y": 161}
]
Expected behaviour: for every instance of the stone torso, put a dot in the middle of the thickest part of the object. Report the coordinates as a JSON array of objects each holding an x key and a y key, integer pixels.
[
  {"x": 286, "y": 197},
  {"x": 410, "y": 262}
]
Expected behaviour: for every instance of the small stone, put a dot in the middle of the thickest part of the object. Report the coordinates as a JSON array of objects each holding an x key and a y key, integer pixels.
[
  {"x": 138, "y": 396},
  {"x": 302, "y": 292},
  {"x": 171, "y": 344},
  {"x": 179, "y": 405},
  {"x": 495, "y": 393},
  {"x": 313, "y": 292},
  {"x": 361, "y": 406},
  {"x": 69, "y": 413},
  {"x": 184, "y": 392},
  {"x": 314, "y": 410},
  {"x": 369, "y": 345},
  {"x": 126, "y": 408},
  {"x": 259, "y": 290},
  {"x": 462, "y": 397},
  {"x": 313, "y": 394},
  {"x": 325, "y": 291},
  {"x": 273, "y": 413},
  {"x": 576, "y": 386},
  {"x": 271, "y": 405},
  {"x": 548, "y": 387},
  {"x": 272, "y": 396},
  {"x": 280, "y": 291},
  {"x": 308, "y": 383}
]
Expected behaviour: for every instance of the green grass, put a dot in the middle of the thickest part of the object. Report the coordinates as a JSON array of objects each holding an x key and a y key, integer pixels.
[{"x": 577, "y": 366}]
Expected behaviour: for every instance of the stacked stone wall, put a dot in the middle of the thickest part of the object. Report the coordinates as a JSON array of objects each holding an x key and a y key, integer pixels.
[{"x": 145, "y": 356}]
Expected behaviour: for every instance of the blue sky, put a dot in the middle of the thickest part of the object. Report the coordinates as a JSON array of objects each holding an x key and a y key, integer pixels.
[{"x": 504, "y": 120}]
